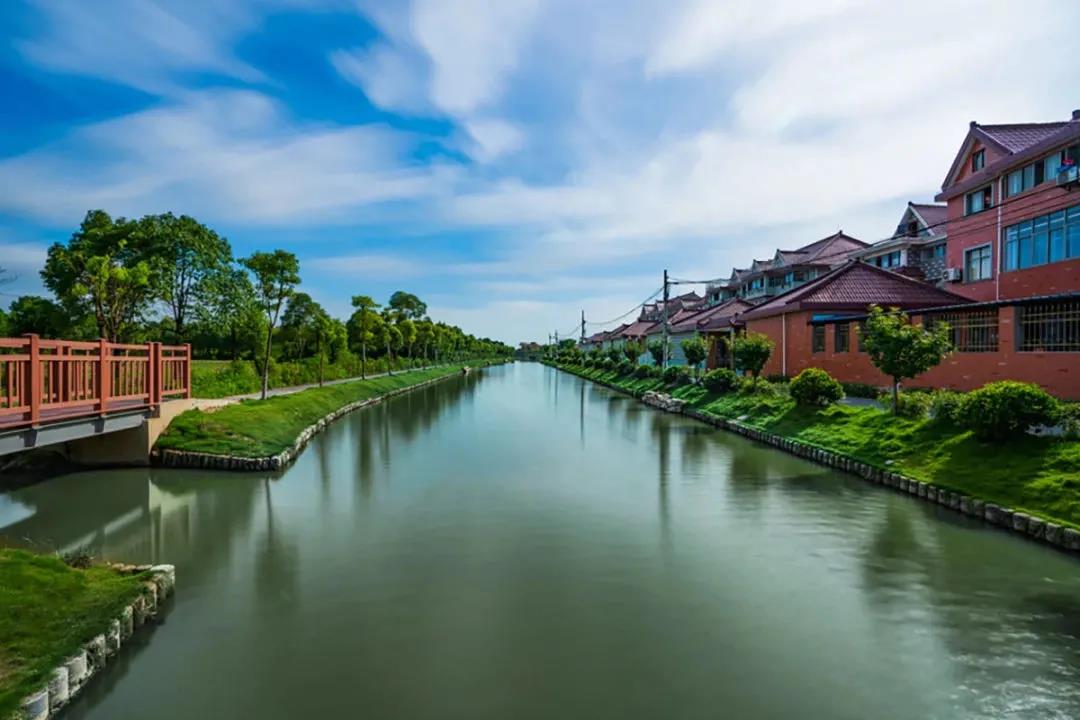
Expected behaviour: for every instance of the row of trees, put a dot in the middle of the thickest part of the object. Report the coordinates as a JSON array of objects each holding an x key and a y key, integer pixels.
[{"x": 171, "y": 278}]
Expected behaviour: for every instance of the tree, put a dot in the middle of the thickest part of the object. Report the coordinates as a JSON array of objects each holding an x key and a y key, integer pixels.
[
  {"x": 230, "y": 312},
  {"x": 632, "y": 351},
  {"x": 406, "y": 305},
  {"x": 695, "y": 351},
  {"x": 299, "y": 324},
  {"x": 276, "y": 275},
  {"x": 37, "y": 315},
  {"x": 362, "y": 320},
  {"x": 425, "y": 336},
  {"x": 902, "y": 350},
  {"x": 185, "y": 256},
  {"x": 407, "y": 329},
  {"x": 97, "y": 272},
  {"x": 751, "y": 351},
  {"x": 656, "y": 349}
]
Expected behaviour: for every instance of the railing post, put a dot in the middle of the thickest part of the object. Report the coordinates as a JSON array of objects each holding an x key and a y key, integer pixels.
[
  {"x": 36, "y": 378},
  {"x": 187, "y": 371},
  {"x": 104, "y": 376},
  {"x": 153, "y": 374}
]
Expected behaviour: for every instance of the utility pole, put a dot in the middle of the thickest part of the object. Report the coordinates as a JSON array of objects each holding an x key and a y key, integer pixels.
[
  {"x": 582, "y": 327},
  {"x": 664, "y": 319}
]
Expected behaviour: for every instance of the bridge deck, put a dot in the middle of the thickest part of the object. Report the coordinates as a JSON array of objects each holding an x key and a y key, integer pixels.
[{"x": 48, "y": 415}]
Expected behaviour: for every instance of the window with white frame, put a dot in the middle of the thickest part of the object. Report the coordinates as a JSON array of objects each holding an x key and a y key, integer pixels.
[{"x": 978, "y": 264}]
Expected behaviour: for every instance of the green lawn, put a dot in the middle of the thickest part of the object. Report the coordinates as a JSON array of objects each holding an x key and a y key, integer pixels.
[
  {"x": 1039, "y": 476},
  {"x": 48, "y": 611},
  {"x": 261, "y": 428}
]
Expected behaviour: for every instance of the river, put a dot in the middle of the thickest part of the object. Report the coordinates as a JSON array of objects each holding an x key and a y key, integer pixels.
[{"x": 520, "y": 543}]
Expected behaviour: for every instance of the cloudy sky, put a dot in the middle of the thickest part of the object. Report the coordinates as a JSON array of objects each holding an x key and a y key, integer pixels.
[{"x": 510, "y": 161}]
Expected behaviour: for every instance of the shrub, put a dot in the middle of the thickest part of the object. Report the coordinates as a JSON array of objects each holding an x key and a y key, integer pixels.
[
  {"x": 721, "y": 381},
  {"x": 910, "y": 404},
  {"x": 642, "y": 371},
  {"x": 814, "y": 386},
  {"x": 948, "y": 406},
  {"x": 676, "y": 375},
  {"x": 1003, "y": 410},
  {"x": 751, "y": 351},
  {"x": 860, "y": 390},
  {"x": 1069, "y": 418},
  {"x": 756, "y": 386},
  {"x": 625, "y": 367},
  {"x": 778, "y": 378}
]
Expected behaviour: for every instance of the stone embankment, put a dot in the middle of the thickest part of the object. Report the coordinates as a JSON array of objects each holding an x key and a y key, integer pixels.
[
  {"x": 1063, "y": 538},
  {"x": 208, "y": 461},
  {"x": 72, "y": 675}
]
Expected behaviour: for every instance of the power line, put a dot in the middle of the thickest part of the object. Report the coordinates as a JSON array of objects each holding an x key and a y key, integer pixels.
[{"x": 630, "y": 311}]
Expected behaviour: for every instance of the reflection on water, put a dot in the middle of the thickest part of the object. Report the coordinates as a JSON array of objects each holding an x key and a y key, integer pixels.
[{"x": 519, "y": 543}]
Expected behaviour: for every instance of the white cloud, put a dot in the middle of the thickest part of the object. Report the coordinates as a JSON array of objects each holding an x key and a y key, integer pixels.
[
  {"x": 368, "y": 266},
  {"x": 227, "y": 155},
  {"x": 493, "y": 138},
  {"x": 392, "y": 79}
]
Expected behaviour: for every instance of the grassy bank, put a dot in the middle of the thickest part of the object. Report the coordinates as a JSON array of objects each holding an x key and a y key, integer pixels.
[
  {"x": 1036, "y": 475},
  {"x": 48, "y": 611},
  {"x": 260, "y": 428},
  {"x": 224, "y": 378}
]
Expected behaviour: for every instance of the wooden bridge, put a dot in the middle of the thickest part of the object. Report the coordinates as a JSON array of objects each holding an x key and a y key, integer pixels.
[{"x": 58, "y": 390}]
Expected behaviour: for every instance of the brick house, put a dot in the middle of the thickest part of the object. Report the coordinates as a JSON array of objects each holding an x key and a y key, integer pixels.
[
  {"x": 786, "y": 269},
  {"x": 917, "y": 248},
  {"x": 1013, "y": 196}
]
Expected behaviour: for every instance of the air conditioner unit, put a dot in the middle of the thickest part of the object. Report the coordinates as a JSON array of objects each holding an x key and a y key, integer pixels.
[
  {"x": 953, "y": 274},
  {"x": 1068, "y": 176}
]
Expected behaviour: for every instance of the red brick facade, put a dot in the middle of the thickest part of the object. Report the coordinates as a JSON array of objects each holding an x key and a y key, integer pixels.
[{"x": 792, "y": 333}]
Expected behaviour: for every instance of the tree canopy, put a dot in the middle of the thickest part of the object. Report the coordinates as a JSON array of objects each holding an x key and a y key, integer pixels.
[{"x": 900, "y": 349}]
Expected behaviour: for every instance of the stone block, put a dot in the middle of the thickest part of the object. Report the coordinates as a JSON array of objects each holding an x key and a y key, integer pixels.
[
  {"x": 1054, "y": 534},
  {"x": 59, "y": 692},
  {"x": 35, "y": 706},
  {"x": 1020, "y": 522},
  {"x": 1036, "y": 528}
]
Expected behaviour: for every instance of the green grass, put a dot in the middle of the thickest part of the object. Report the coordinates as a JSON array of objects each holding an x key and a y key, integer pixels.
[
  {"x": 1036, "y": 475},
  {"x": 224, "y": 378},
  {"x": 260, "y": 428},
  {"x": 48, "y": 611}
]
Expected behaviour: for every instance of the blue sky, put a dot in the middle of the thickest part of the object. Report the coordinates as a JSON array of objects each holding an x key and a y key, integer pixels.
[{"x": 510, "y": 161}]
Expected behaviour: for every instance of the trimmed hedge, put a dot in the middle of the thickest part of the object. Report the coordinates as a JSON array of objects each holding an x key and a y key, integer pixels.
[{"x": 814, "y": 386}]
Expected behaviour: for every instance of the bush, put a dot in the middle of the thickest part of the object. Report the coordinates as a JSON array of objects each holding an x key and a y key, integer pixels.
[
  {"x": 676, "y": 375},
  {"x": 948, "y": 406},
  {"x": 814, "y": 386},
  {"x": 778, "y": 378},
  {"x": 1003, "y": 410},
  {"x": 642, "y": 372},
  {"x": 910, "y": 404},
  {"x": 625, "y": 367},
  {"x": 1069, "y": 418},
  {"x": 861, "y": 390},
  {"x": 757, "y": 386},
  {"x": 721, "y": 381}
]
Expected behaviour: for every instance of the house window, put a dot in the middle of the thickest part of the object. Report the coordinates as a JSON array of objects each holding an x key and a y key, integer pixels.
[
  {"x": 1025, "y": 178},
  {"x": 1045, "y": 239},
  {"x": 819, "y": 339},
  {"x": 975, "y": 202},
  {"x": 970, "y": 330},
  {"x": 978, "y": 160},
  {"x": 888, "y": 260},
  {"x": 977, "y": 264},
  {"x": 1050, "y": 327},
  {"x": 842, "y": 337}
]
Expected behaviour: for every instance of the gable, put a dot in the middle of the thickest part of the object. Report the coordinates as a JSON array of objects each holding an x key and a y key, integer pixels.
[{"x": 975, "y": 141}]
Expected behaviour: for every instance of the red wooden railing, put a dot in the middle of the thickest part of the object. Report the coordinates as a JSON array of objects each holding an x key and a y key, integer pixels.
[{"x": 46, "y": 381}]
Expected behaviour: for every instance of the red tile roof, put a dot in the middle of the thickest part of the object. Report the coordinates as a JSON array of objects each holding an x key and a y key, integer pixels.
[
  {"x": 718, "y": 317},
  {"x": 934, "y": 215},
  {"x": 638, "y": 329},
  {"x": 1021, "y": 136},
  {"x": 856, "y": 286}
]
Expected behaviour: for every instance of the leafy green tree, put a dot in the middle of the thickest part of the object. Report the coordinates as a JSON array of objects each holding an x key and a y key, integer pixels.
[
  {"x": 407, "y": 329},
  {"x": 299, "y": 324},
  {"x": 276, "y": 276},
  {"x": 751, "y": 351},
  {"x": 695, "y": 351},
  {"x": 902, "y": 350},
  {"x": 632, "y": 351},
  {"x": 360, "y": 326},
  {"x": 425, "y": 336},
  {"x": 656, "y": 349},
  {"x": 38, "y": 315},
  {"x": 406, "y": 305},
  {"x": 97, "y": 272},
  {"x": 230, "y": 314},
  {"x": 185, "y": 257}
]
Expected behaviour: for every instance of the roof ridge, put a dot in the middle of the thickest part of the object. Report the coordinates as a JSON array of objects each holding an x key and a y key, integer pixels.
[{"x": 1024, "y": 125}]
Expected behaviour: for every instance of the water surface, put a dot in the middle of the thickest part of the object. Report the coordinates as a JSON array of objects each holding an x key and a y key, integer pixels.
[{"x": 522, "y": 544}]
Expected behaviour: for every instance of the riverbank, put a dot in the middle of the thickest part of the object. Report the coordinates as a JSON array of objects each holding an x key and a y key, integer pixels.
[
  {"x": 1034, "y": 476},
  {"x": 262, "y": 430},
  {"x": 49, "y": 613}
]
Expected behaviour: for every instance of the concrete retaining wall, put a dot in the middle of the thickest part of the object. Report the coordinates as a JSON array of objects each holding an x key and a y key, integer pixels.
[
  {"x": 209, "y": 461},
  {"x": 1032, "y": 528},
  {"x": 72, "y": 675}
]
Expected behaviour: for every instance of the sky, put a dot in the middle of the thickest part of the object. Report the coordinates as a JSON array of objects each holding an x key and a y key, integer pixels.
[{"x": 512, "y": 162}]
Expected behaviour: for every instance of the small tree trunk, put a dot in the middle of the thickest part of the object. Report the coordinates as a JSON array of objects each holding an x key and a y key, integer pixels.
[
  {"x": 363, "y": 361},
  {"x": 266, "y": 363}
]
